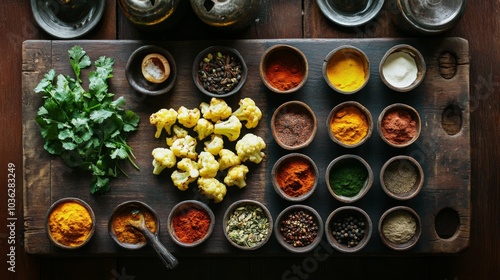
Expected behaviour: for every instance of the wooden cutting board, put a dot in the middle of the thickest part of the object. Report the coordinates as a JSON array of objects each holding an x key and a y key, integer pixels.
[{"x": 445, "y": 158}]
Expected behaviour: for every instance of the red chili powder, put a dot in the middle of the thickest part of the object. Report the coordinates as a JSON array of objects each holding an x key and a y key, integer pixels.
[
  {"x": 398, "y": 126},
  {"x": 284, "y": 70}
]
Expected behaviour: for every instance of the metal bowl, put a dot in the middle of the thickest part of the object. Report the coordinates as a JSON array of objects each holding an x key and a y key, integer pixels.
[{"x": 349, "y": 17}]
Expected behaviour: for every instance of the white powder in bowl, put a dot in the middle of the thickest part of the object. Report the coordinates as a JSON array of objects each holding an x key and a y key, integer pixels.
[{"x": 400, "y": 69}]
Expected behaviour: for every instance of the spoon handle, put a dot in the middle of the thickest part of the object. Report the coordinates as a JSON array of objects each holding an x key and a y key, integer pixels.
[{"x": 167, "y": 258}]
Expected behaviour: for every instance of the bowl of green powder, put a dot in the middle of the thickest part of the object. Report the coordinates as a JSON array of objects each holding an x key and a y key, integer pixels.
[
  {"x": 348, "y": 178},
  {"x": 400, "y": 228},
  {"x": 402, "y": 177}
]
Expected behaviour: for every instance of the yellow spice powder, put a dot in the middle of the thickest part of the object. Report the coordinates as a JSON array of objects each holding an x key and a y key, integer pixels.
[
  {"x": 349, "y": 125},
  {"x": 70, "y": 224},
  {"x": 346, "y": 72}
]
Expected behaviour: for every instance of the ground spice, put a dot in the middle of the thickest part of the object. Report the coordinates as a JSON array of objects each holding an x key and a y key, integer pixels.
[
  {"x": 399, "y": 227},
  {"x": 398, "y": 126},
  {"x": 296, "y": 177},
  {"x": 285, "y": 70},
  {"x": 348, "y": 178},
  {"x": 400, "y": 69},
  {"x": 349, "y": 125},
  {"x": 70, "y": 224},
  {"x": 124, "y": 232},
  {"x": 346, "y": 72},
  {"x": 293, "y": 127},
  {"x": 400, "y": 176},
  {"x": 191, "y": 225}
]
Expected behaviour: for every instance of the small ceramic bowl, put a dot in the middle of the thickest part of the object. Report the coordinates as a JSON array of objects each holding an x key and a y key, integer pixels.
[
  {"x": 293, "y": 61},
  {"x": 157, "y": 66},
  {"x": 287, "y": 188},
  {"x": 356, "y": 235},
  {"x": 183, "y": 207},
  {"x": 399, "y": 137},
  {"x": 125, "y": 209},
  {"x": 402, "y": 59},
  {"x": 230, "y": 229},
  {"x": 397, "y": 174},
  {"x": 60, "y": 203},
  {"x": 282, "y": 227},
  {"x": 399, "y": 216},
  {"x": 339, "y": 56},
  {"x": 203, "y": 65},
  {"x": 294, "y": 125},
  {"x": 338, "y": 164},
  {"x": 333, "y": 116}
]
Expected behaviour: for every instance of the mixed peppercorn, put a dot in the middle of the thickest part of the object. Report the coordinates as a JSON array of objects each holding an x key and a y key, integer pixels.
[
  {"x": 220, "y": 73},
  {"x": 299, "y": 228}
]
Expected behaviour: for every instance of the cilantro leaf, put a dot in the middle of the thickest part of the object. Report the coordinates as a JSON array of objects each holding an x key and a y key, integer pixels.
[{"x": 79, "y": 60}]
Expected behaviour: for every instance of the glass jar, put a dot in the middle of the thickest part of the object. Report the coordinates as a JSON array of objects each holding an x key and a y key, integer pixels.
[
  {"x": 153, "y": 15},
  {"x": 427, "y": 17},
  {"x": 227, "y": 14}
]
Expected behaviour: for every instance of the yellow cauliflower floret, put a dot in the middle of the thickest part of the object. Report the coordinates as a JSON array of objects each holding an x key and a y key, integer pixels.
[
  {"x": 236, "y": 176},
  {"x": 162, "y": 158},
  {"x": 185, "y": 147},
  {"x": 204, "y": 128},
  {"x": 230, "y": 128},
  {"x": 188, "y": 117},
  {"x": 227, "y": 158},
  {"x": 186, "y": 173},
  {"x": 212, "y": 188},
  {"x": 215, "y": 144},
  {"x": 250, "y": 148},
  {"x": 179, "y": 132},
  {"x": 248, "y": 112},
  {"x": 163, "y": 119},
  {"x": 207, "y": 165},
  {"x": 216, "y": 110}
]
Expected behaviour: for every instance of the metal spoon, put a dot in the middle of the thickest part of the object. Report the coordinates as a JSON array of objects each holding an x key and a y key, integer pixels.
[{"x": 167, "y": 258}]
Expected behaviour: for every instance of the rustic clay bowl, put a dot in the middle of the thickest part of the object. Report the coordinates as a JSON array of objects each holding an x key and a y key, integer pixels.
[
  {"x": 129, "y": 206},
  {"x": 292, "y": 209},
  {"x": 411, "y": 243},
  {"x": 342, "y": 212},
  {"x": 413, "y": 113},
  {"x": 224, "y": 50},
  {"x": 279, "y": 164},
  {"x": 363, "y": 109},
  {"x": 276, "y": 51},
  {"x": 339, "y": 161},
  {"x": 400, "y": 160},
  {"x": 245, "y": 202},
  {"x": 54, "y": 206},
  {"x": 346, "y": 51},
  {"x": 293, "y": 106},
  {"x": 419, "y": 61},
  {"x": 183, "y": 206},
  {"x": 133, "y": 71}
]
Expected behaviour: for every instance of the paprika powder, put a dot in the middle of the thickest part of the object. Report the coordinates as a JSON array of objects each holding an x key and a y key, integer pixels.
[
  {"x": 398, "y": 126},
  {"x": 191, "y": 225},
  {"x": 295, "y": 176},
  {"x": 285, "y": 70}
]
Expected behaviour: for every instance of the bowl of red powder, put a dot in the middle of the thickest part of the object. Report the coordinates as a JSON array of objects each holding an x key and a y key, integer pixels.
[
  {"x": 293, "y": 125},
  {"x": 190, "y": 223},
  {"x": 399, "y": 125},
  {"x": 283, "y": 69},
  {"x": 295, "y": 177}
]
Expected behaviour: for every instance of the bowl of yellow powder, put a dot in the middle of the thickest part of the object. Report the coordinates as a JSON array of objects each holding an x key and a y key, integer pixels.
[
  {"x": 70, "y": 223},
  {"x": 349, "y": 124},
  {"x": 400, "y": 228},
  {"x": 346, "y": 69},
  {"x": 402, "y": 68}
]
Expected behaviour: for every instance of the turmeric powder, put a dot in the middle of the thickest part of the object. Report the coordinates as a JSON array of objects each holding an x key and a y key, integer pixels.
[
  {"x": 70, "y": 224},
  {"x": 125, "y": 233},
  {"x": 349, "y": 125},
  {"x": 346, "y": 72}
]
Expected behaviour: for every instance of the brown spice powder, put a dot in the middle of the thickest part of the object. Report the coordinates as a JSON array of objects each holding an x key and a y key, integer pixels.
[{"x": 294, "y": 127}]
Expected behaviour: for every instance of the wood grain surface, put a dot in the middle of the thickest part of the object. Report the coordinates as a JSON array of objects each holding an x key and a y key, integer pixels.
[{"x": 279, "y": 19}]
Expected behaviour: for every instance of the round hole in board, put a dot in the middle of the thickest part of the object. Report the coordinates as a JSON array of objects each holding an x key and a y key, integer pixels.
[
  {"x": 447, "y": 64},
  {"x": 451, "y": 119},
  {"x": 446, "y": 223}
]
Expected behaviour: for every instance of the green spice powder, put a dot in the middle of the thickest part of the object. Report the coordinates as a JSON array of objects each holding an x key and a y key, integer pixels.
[{"x": 348, "y": 178}]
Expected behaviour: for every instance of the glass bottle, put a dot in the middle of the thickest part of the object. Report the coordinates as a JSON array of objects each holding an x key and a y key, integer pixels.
[{"x": 227, "y": 14}]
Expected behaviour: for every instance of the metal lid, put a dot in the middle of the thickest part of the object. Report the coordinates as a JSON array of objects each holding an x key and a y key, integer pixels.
[
  {"x": 433, "y": 15},
  {"x": 348, "y": 18}
]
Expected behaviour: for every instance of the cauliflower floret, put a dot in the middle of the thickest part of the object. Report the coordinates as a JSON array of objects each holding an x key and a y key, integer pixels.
[
  {"x": 182, "y": 179},
  {"x": 204, "y": 128},
  {"x": 185, "y": 147},
  {"x": 162, "y": 158},
  {"x": 188, "y": 117},
  {"x": 230, "y": 128},
  {"x": 216, "y": 110},
  {"x": 212, "y": 188},
  {"x": 207, "y": 165},
  {"x": 190, "y": 166},
  {"x": 179, "y": 132},
  {"x": 248, "y": 112},
  {"x": 163, "y": 119},
  {"x": 227, "y": 158},
  {"x": 215, "y": 144},
  {"x": 249, "y": 148},
  {"x": 236, "y": 176}
]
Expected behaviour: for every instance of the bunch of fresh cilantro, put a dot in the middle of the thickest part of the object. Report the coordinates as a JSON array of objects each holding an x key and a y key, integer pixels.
[{"x": 88, "y": 129}]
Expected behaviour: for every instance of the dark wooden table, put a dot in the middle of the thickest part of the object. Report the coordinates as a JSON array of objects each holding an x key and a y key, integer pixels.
[{"x": 280, "y": 19}]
